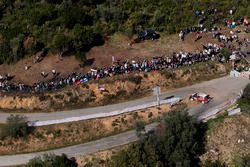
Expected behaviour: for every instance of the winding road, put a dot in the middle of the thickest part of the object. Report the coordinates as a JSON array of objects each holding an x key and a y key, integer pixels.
[{"x": 222, "y": 89}]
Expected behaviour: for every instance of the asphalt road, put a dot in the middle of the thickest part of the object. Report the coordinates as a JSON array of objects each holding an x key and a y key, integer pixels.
[
  {"x": 81, "y": 149},
  {"x": 221, "y": 89}
]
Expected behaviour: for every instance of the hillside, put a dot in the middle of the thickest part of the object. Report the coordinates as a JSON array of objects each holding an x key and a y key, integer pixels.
[
  {"x": 101, "y": 56},
  {"x": 227, "y": 138},
  {"x": 221, "y": 143},
  {"x": 66, "y": 27}
]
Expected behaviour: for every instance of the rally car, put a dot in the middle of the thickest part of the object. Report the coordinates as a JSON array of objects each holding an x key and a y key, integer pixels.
[{"x": 200, "y": 97}]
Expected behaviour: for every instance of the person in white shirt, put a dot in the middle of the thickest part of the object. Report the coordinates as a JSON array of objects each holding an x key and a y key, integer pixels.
[{"x": 53, "y": 72}]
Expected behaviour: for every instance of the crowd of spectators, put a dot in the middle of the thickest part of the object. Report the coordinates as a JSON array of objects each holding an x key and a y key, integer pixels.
[
  {"x": 203, "y": 17},
  {"x": 210, "y": 52}
]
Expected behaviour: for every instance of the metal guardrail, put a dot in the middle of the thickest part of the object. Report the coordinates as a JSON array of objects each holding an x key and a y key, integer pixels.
[
  {"x": 171, "y": 101},
  {"x": 213, "y": 112}
]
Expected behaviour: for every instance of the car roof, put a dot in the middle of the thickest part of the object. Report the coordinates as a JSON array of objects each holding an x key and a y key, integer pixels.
[
  {"x": 202, "y": 94},
  {"x": 150, "y": 30}
]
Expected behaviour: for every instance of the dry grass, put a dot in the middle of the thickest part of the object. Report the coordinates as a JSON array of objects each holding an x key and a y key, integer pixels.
[
  {"x": 99, "y": 158},
  {"x": 223, "y": 136},
  {"x": 55, "y": 136},
  {"x": 118, "y": 89}
]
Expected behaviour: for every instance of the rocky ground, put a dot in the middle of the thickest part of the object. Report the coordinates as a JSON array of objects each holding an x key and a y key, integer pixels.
[{"x": 228, "y": 138}]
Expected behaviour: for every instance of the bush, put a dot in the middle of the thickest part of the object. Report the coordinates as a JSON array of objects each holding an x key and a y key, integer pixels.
[
  {"x": 216, "y": 163},
  {"x": 135, "y": 79},
  {"x": 135, "y": 115},
  {"x": 168, "y": 74},
  {"x": 242, "y": 161},
  {"x": 139, "y": 127},
  {"x": 150, "y": 115},
  {"x": 87, "y": 22},
  {"x": 145, "y": 75},
  {"x": 52, "y": 160},
  {"x": 226, "y": 53},
  {"x": 172, "y": 144},
  {"x": 16, "y": 126},
  {"x": 244, "y": 101}
]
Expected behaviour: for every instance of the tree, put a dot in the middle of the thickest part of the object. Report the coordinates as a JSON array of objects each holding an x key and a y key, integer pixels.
[
  {"x": 17, "y": 47},
  {"x": 51, "y": 160},
  {"x": 5, "y": 52},
  {"x": 179, "y": 138},
  {"x": 172, "y": 144},
  {"x": 42, "y": 19},
  {"x": 83, "y": 37},
  {"x": 244, "y": 101},
  {"x": 62, "y": 43},
  {"x": 54, "y": 1},
  {"x": 71, "y": 16},
  {"x": 40, "y": 14},
  {"x": 139, "y": 127},
  {"x": 16, "y": 126}
]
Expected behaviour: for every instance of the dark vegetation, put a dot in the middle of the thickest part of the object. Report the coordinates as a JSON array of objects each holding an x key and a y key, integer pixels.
[
  {"x": 242, "y": 161},
  {"x": 244, "y": 101},
  {"x": 226, "y": 53},
  {"x": 15, "y": 127},
  {"x": 28, "y": 27},
  {"x": 174, "y": 143},
  {"x": 51, "y": 160},
  {"x": 177, "y": 141},
  {"x": 216, "y": 163}
]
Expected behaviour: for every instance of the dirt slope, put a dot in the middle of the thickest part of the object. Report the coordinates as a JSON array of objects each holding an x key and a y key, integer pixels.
[
  {"x": 116, "y": 45},
  {"x": 117, "y": 89},
  {"x": 228, "y": 138}
]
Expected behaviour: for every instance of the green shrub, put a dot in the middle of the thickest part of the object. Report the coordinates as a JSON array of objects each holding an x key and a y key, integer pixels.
[
  {"x": 216, "y": 163},
  {"x": 226, "y": 53},
  {"x": 85, "y": 23},
  {"x": 16, "y": 126},
  {"x": 139, "y": 127},
  {"x": 242, "y": 161},
  {"x": 51, "y": 160},
  {"x": 173, "y": 144},
  {"x": 135, "y": 115},
  {"x": 244, "y": 101},
  {"x": 150, "y": 115}
]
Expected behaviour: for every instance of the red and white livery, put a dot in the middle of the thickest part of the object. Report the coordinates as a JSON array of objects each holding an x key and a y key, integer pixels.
[{"x": 200, "y": 97}]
